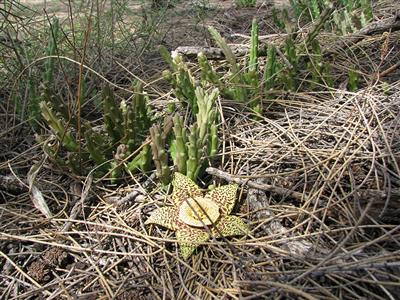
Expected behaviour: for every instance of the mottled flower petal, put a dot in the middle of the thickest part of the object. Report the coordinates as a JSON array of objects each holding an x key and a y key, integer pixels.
[
  {"x": 184, "y": 188},
  {"x": 230, "y": 226},
  {"x": 166, "y": 216},
  {"x": 189, "y": 238},
  {"x": 225, "y": 197}
]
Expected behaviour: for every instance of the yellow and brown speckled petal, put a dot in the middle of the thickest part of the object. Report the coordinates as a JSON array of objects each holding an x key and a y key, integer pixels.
[
  {"x": 166, "y": 216},
  {"x": 189, "y": 238},
  {"x": 225, "y": 197},
  {"x": 184, "y": 188},
  {"x": 230, "y": 226}
]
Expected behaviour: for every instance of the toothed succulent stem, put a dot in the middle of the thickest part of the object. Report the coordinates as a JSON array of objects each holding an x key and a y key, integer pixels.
[
  {"x": 206, "y": 115},
  {"x": 353, "y": 81},
  {"x": 180, "y": 78},
  {"x": 315, "y": 64},
  {"x": 315, "y": 12},
  {"x": 74, "y": 161},
  {"x": 141, "y": 161},
  {"x": 208, "y": 74},
  {"x": 116, "y": 165},
  {"x": 367, "y": 10},
  {"x": 47, "y": 94},
  {"x": 253, "y": 58},
  {"x": 180, "y": 154},
  {"x": 95, "y": 144},
  {"x": 296, "y": 6},
  {"x": 137, "y": 120},
  {"x": 252, "y": 75},
  {"x": 59, "y": 128},
  {"x": 291, "y": 54},
  {"x": 327, "y": 71},
  {"x": 194, "y": 155},
  {"x": 113, "y": 118},
  {"x": 160, "y": 156},
  {"x": 270, "y": 70},
  {"x": 230, "y": 57},
  {"x": 214, "y": 141},
  {"x": 236, "y": 78}
]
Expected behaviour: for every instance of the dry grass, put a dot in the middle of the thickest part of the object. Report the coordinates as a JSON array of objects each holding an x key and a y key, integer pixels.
[{"x": 340, "y": 240}]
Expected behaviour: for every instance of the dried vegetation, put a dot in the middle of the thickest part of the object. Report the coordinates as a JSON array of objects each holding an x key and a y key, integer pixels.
[{"x": 320, "y": 189}]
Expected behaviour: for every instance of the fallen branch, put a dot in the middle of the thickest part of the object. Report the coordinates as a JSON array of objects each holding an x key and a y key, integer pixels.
[
  {"x": 258, "y": 203},
  {"x": 378, "y": 27},
  {"x": 212, "y": 52},
  {"x": 80, "y": 193},
  {"x": 264, "y": 187}
]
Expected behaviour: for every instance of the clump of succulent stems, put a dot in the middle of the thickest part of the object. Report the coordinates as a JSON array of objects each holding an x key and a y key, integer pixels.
[
  {"x": 285, "y": 71},
  {"x": 344, "y": 20},
  {"x": 190, "y": 146},
  {"x": 179, "y": 76},
  {"x": 110, "y": 148}
]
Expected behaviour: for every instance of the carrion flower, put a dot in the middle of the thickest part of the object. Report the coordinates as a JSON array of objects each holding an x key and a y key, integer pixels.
[{"x": 192, "y": 212}]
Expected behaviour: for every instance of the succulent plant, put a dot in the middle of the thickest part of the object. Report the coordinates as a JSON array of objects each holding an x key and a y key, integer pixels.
[
  {"x": 206, "y": 114},
  {"x": 97, "y": 145},
  {"x": 141, "y": 161},
  {"x": 116, "y": 168},
  {"x": 194, "y": 150},
  {"x": 113, "y": 118},
  {"x": 252, "y": 75},
  {"x": 59, "y": 127},
  {"x": 238, "y": 90},
  {"x": 160, "y": 155},
  {"x": 179, "y": 153},
  {"x": 207, "y": 73},
  {"x": 195, "y": 217},
  {"x": 189, "y": 148},
  {"x": 271, "y": 69},
  {"x": 105, "y": 147},
  {"x": 315, "y": 64},
  {"x": 180, "y": 78}
]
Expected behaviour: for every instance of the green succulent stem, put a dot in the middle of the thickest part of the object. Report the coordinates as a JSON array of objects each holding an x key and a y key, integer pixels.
[
  {"x": 180, "y": 78},
  {"x": 208, "y": 74},
  {"x": 236, "y": 78},
  {"x": 207, "y": 114},
  {"x": 270, "y": 69},
  {"x": 160, "y": 156},
  {"x": 141, "y": 161},
  {"x": 194, "y": 154},
  {"x": 59, "y": 128},
  {"x": 253, "y": 58},
  {"x": 96, "y": 146},
  {"x": 180, "y": 154},
  {"x": 353, "y": 81},
  {"x": 214, "y": 141},
  {"x": 113, "y": 118}
]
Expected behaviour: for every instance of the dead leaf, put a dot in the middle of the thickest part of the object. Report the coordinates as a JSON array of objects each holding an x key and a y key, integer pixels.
[{"x": 36, "y": 195}]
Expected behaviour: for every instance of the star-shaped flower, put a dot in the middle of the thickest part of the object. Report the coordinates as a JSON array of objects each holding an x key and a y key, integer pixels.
[{"x": 193, "y": 212}]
